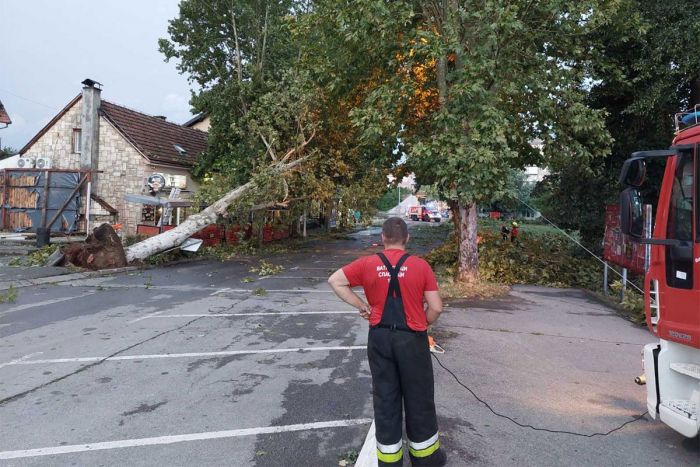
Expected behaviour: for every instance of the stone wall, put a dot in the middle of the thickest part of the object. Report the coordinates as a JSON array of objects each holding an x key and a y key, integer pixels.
[{"x": 57, "y": 142}]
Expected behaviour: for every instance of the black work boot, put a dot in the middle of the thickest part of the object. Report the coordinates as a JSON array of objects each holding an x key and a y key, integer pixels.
[{"x": 436, "y": 459}]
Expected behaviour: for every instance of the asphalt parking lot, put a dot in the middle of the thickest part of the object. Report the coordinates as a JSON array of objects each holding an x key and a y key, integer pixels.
[
  {"x": 198, "y": 364},
  {"x": 206, "y": 363}
]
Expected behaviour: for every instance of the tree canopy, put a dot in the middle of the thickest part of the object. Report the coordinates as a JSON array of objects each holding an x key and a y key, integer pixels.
[
  {"x": 461, "y": 93},
  {"x": 646, "y": 68}
]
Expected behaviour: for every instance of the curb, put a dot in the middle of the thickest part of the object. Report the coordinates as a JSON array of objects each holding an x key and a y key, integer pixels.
[
  {"x": 64, "y": 278},
  {"x": 368, "y": 453}
]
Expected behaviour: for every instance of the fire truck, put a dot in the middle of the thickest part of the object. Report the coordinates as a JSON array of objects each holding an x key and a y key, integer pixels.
[{"x": 672, "y": 278}]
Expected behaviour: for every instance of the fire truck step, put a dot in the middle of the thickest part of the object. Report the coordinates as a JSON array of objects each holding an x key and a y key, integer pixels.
[
  {"x": 683, "y": 407},
  {"x": 689, "y": 369}
]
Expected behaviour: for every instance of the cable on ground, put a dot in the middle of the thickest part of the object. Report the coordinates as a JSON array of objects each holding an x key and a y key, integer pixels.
[{"x": 525, "y": 425}]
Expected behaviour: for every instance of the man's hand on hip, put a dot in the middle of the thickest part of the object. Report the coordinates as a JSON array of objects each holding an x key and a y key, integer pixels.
[{"x": 366, "y": 311}]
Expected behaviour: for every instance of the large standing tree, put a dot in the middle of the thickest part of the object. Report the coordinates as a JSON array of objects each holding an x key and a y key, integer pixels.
[
  {"x": 646, "y": 69},
  {"x": 464, "y": 87}
]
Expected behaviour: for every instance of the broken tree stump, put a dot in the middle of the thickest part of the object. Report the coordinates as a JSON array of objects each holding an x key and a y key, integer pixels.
[{"x": 102, "y": 249}]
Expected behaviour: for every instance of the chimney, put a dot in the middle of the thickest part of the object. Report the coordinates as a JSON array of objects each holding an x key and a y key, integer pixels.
[{"x": 90, "y": 125}]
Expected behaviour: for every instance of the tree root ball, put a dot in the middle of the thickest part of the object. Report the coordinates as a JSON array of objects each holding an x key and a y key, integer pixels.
[{"x": 102, "y": 249}]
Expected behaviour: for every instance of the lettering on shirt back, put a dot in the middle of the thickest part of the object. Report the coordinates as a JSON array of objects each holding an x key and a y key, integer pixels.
[{"x": 383, "y": 272}]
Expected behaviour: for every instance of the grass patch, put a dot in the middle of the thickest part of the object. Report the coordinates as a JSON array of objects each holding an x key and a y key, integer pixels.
[
  {"x": 9, "y": 296},
  {"x": 449, "y": 288},
  {"x": 348, "y": 458},
  {"x": 539, "y": 257}
]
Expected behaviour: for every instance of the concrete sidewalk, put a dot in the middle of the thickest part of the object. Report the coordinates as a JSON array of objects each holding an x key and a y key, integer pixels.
[{"x": 17, "y": 277}]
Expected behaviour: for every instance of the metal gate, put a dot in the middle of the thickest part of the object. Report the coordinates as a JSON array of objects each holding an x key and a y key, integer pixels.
[{"x": 34, "y": 198}]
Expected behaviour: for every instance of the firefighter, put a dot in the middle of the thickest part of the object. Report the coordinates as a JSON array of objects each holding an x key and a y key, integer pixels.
[
  {"x": 397, "y": 285},
  {"x": 514, "y": 232},
  {"x": 505, "y": 232}
]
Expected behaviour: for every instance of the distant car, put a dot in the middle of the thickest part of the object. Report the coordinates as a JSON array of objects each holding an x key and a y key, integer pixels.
[{"x": 434, "y": 216}]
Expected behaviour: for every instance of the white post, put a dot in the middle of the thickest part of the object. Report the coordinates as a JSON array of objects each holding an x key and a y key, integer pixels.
[
  {"x": 304, "y": 220},
  {"x": 605, "y": 278},
  {"x": 624, "y": 283},
  {"x": 87, "y": 208}
]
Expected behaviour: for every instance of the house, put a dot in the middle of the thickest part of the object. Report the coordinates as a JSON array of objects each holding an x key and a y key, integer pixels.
[
  {"x": 199, "y": 122},
  {"x": 4, "y": 117},
  {"x": 122, "y": 148}
]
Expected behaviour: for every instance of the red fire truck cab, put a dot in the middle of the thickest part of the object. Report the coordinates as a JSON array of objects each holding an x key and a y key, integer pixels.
[{"x": 672, "y": 279}]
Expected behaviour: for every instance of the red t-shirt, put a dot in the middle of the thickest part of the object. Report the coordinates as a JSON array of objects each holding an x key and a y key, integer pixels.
[{"x": 415, "y": 277}]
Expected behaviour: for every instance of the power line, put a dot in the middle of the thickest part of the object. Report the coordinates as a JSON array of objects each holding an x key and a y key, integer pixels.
[
  {"x": 579, "y": 244},
  {"x": 28, "y": 99}
]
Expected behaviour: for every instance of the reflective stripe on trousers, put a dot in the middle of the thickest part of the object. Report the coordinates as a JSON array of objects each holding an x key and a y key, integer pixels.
[
  {"x": 391, "y": 453},
  {"x": 424, "y": 448}
]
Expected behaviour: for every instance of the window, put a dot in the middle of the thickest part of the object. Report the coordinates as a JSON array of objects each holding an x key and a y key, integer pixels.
[
  {"x": 680, "y": 213},
  {"x": 679, "y": 258},
  {"x": 77, "y": 140},
  {"x": 176, "y": 181}
]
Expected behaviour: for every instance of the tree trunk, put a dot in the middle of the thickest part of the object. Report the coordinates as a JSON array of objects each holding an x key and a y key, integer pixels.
[
  {"x": 468, "y": 251},
  {"x": 196, "y": 222},
  {"x": 454, "y": 207}
]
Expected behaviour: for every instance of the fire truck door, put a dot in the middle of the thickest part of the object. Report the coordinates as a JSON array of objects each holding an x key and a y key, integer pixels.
[{"x": 678, "y": 261}]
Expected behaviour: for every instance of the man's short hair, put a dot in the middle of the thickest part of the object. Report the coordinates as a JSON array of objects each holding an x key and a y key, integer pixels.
[{"x": 395, "y": 230}]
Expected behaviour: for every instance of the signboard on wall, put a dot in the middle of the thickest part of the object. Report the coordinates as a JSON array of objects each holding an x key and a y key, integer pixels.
[
  {"x": 618, "y": 248},
  {"x": 176, "y": 181}
]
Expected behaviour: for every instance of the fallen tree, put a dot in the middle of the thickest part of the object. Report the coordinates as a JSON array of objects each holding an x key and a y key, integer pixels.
[{"x": 196, "y": 222}]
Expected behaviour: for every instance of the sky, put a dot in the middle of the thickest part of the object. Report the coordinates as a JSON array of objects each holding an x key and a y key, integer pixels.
[{"x": 47, "y": 47}]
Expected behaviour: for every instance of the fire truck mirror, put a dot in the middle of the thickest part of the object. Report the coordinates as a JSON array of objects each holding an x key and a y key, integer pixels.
[
  {"x": 631, "y": 218},
  {"x": 633, "y": 172}
]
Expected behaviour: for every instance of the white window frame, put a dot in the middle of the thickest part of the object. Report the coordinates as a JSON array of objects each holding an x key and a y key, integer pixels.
[{"x": 77, "y": 140}]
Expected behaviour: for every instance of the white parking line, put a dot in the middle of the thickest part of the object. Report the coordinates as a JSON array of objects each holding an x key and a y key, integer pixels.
[
  {"x": 128, "y": 443},
  {"x": 150, "y": 315},
  {"x": 44, "y": 303},
  {"x": 220, "y": 291},
  {"x": 225, "y": 353},
  {"x": 227, "y": 315},
  {"x": 21, "y": 359}
]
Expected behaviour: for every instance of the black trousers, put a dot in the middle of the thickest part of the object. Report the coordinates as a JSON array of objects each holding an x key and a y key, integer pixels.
[{"x": 402, "y": 374}]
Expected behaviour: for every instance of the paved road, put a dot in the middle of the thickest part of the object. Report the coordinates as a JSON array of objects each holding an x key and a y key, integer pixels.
[{"x": 187, "y": 365}]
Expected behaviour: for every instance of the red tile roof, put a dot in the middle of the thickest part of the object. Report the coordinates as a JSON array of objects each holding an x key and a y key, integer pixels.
[
  {"x": 155, "y": 137},
  {"x": 4, "y": 118}
]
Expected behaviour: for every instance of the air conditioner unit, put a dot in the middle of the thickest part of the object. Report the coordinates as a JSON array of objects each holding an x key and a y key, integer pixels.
[
  {"x": 25, "y": 163},
  {"x": 43, "y": 163}
]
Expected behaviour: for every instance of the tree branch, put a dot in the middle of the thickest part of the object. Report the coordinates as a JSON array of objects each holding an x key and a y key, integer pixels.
[
  {"x": 292, "y": 151},
  {"x": 270, "y": 151},
  {"x": 264, "y": 41}
]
